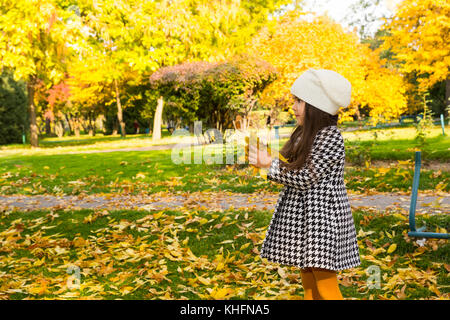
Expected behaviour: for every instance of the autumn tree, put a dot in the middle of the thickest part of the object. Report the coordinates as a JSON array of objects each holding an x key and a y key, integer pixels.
[
  {"x": 419, "y": 36},
  {"x": 119, "y": 38},
  {"x": 213, "y": 92},
  {"x": 33, "y": 42},
  {"x": 206, "y": 31},
  {"x": 90, "y": 93},
  {"x": 293, "y": 45}
]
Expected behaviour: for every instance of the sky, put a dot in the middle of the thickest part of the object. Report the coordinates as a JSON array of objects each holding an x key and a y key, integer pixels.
[{"x": 339, "y": 9}]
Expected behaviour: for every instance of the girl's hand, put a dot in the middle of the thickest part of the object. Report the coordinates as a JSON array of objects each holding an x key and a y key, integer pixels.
[{"x": 259, "y": 158}]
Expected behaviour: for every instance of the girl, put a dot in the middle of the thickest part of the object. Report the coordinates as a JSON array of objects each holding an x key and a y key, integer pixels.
[{"x": 312, "y": 226}]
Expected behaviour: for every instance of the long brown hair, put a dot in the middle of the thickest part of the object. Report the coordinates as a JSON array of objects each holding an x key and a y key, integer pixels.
[{"x": 297, "y": 149}]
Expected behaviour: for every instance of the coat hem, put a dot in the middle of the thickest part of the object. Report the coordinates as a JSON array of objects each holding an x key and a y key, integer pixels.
[{"x": 310, "y": 265}]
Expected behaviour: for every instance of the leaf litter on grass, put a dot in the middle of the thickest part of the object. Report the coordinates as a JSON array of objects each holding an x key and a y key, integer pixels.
[{"x": 191, "y": 253}]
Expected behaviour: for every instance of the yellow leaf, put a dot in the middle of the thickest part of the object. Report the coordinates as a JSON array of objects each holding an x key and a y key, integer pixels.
[
  {"x": 38, "y": 263},
  {"x": 400, "y": 216},
  {"x": 404, "y": 162},
  {"x": 89, "y": 219},
  {"x": 362, "y": 233},
  {"x": 281, "y": 272},
  {"x": 125, "y": 290},
  {"x": 434, "y": 289},
  {"x": 175, "y": 252},
  {"x": 221, "y": 293},
  {"x": 168, "y": 256},
  {"x": 377, "y": 251},
  {"x": 392, "y": 248},
  {"x": 383, "y": 171},
  {"x": 78, "y": 242},
  {"x": 140, "y": 175},
  {"x": 158, "y": 215},
  {"x": 244, "y": 246},
  {"x": 226, "y": 241},
  {"x": 220, "y": 266},
  {"x": 205, "y": 281}
]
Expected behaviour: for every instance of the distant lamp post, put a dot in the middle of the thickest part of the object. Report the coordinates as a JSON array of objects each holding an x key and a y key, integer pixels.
[{"x": 442, "y": 124}]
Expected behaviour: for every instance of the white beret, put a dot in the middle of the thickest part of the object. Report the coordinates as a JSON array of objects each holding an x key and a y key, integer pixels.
[{"x": 326, "y": 90}]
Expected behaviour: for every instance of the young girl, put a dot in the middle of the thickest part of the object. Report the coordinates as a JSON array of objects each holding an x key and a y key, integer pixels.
[{"x": 312, "y": 226}]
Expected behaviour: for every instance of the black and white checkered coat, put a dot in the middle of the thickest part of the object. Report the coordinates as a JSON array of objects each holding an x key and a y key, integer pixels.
[{"x": 312, "y": 224}]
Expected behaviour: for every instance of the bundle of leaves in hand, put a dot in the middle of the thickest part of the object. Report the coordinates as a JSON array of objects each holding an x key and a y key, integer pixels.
[{"x": 262, "y": 171}]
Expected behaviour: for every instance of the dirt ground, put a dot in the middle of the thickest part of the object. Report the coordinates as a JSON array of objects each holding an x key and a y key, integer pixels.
[{"x": 431, "y": 202}]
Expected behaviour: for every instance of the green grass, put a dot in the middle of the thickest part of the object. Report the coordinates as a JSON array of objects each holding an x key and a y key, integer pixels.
[
  {"x": 392, "y": 143},
  {"x": 384, "y": 143},
  {"x": 181, "y": 254},
  {"x": 36, "y": 172},
  {"x": 85, "y": 142},
  {"x": 436, "y": 148},
  {"x": 153, "y": 171},
  {"x": 394, "y": 179}
]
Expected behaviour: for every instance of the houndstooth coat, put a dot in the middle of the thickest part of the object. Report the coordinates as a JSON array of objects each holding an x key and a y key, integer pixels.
[{"x": 312, "y": 224}]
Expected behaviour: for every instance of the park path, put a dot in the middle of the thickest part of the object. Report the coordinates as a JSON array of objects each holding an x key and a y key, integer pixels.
[
  {"x": 433, "y": 203},
  {"x": 149, "y": 148}
]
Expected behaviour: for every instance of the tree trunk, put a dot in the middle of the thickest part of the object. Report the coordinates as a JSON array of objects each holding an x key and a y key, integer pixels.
[
  {"x": 84, "y": 124},
  {"x": 358, "y": 115},
  {"x": 76, "y": 126},
  {"x": 119, "y": 110},
  {"x": 59, "y": 128},
  {"x": 89, "y": 127},
  {"x": 157, "y": 120},
  {"x": 68, "y": 123},
  {"x": 48, "y": 130},
  {"x": 32, "y": 111},
  {"x": 115, "y": 128},
  {"x": 92, "y": 123}
]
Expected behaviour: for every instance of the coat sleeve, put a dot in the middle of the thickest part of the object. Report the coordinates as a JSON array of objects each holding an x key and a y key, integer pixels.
[{"x": 327, "y": 151}]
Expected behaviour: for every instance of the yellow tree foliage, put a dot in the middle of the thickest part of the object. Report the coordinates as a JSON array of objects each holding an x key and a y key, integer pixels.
[
  {"x": 293, "y": 45},
  {"x": 419, "y": 37},
  {"x": 88, "y": 87},
  {"x": 34, "y": 37}
]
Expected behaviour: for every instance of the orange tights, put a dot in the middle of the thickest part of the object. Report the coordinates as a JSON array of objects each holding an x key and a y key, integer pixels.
[{"x": 320, "y": 284}]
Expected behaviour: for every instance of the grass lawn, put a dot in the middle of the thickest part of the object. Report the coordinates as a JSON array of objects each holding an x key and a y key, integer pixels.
[
  {"x": 190, "y": 254},
  {"x": 393, "y": 143},
  {"x": 153, "y": 171},
  {"x": 384, "y": 144},
  {"x": 53, "y": 145}
]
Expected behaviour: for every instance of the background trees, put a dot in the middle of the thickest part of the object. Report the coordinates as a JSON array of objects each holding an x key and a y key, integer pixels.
[
  {"x": 213, "y": 93},
  {"x": 211, "y": 60},
  {"x": 294, "y": 45},
  {"x": 419, "y": 37},
  {"x": 33, "y": 42}
]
